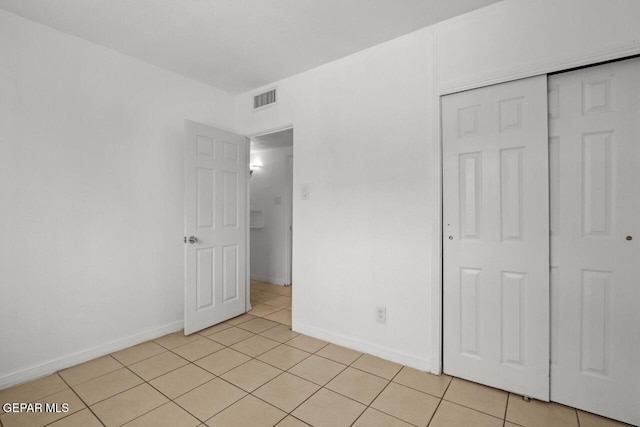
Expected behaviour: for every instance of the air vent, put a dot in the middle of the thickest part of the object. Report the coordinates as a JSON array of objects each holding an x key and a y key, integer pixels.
[{"x": 264, "y": 99}]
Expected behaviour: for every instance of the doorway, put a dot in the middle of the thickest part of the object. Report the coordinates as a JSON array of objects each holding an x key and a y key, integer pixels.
[
  {"x": 589, "y": 323},
  {"x": 271, "y": 228}
]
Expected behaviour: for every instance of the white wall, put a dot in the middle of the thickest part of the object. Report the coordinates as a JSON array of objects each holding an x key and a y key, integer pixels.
[
  {"x": 91, "y": 200},
  {"x": 367, "y": 146},
  {"x": 269, "y": 243},
  {"x": 361, "y": 240},
  {"x": 520, "y": 38}
]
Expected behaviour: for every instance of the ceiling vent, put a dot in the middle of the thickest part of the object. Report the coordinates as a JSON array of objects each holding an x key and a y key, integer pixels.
[{"x": 264, "y": 99}]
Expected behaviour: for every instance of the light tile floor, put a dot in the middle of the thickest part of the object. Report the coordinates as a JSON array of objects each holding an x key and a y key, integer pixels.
[{"x": 254, "y": 371}]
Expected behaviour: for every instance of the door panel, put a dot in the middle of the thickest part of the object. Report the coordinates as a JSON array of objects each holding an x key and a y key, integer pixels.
[
  {"x": 496, "y": 236},
  {"x": 595, "y": 145},
  {"x": 216, "y": 169}
]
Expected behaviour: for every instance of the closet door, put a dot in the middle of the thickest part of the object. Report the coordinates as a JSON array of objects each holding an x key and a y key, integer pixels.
[
  {"x": 594, "y": 119},
  {"x": 496, "y": 236}
]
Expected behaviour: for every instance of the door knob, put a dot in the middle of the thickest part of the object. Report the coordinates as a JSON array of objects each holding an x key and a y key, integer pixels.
[
  {"x": 629, "y": 238},
  {"x": 193, "y": 239}
]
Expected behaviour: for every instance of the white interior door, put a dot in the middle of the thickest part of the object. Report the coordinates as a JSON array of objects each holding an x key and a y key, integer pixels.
[
  {"x": 595, "y": 249},
  {"x": 496, "y": 236},
  {"x": 216, "y": 170}
]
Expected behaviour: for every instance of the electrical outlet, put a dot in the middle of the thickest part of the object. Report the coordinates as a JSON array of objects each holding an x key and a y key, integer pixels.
[{"x": 381, "y": 314}]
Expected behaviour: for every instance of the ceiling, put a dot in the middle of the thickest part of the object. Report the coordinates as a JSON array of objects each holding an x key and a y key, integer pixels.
[
  {"x": 279, "y": 139},
  {"x": 238, "y": 45}
]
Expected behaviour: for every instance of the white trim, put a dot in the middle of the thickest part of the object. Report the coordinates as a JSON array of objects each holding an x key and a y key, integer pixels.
[
  {"x": 270, "y": 131},
  {"x": 288, "y": 246},
  {"x": 247, "y": 237},
  {"x": 269, "y": 279},
  {"x": 184, "y": 219},
  {"x": 552, "y": 66},
  {"x": 407, "y": 359},
  {"x": 73, "y": 359},
  {"x": 436, "y": 296}
]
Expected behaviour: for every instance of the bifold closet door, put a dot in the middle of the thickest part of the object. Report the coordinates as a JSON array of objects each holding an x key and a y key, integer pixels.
[
  {"x": 496, "y": 236},
  {"x": 595, "y": 241}
]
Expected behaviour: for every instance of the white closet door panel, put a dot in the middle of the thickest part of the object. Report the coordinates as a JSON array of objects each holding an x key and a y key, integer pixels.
[
  {"x": 496, "y": 236},
  {"x": 595, "y": 146}
]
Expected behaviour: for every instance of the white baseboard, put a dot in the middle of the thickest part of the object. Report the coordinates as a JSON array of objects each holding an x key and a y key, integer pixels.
[
  {"x": 407, "y": 359},
  {"x": 268, "y": 279},
  {"x": 56, "y": 365}
]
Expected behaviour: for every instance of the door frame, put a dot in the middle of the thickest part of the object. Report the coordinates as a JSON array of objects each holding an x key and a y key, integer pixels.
[
  {"x": 563, "y": 65},
  {"x": 289, "y": 232},
  {"x": 289, "y": 264}
]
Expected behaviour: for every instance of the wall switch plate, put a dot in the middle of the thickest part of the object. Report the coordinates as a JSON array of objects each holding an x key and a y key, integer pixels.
[
  {"x": 305, "y": 193},
  {"x": 381, "y": 314}
]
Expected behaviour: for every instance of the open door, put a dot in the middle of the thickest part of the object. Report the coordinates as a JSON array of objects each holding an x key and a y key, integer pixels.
[
  {"x": 496, "y": 236},
  {"x": 215, "y": 209}
]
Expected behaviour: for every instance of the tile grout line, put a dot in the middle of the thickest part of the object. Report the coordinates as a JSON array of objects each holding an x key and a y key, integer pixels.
[
  {"x": 440, "y": 402},
  {"x": 374, "y": 399},
  {"x": 506, "y": 408},
  {"x": 226, "y": 407},
  {"x": 91, "y": 379},
  {"x": 304, "y": 379},
  {"x": 149, "y": 341},
  {"x": 340, "y": 394},
  {"x": 185, "y": 409},
  {"x": 143, "y": 382},
  {"x": 39, "y": 398},
  {"x": 472, "y": 409},
  {"x": 389, "y": 381},
  {"x": 123, "y": 391},
  {"x": 171, "y": 370},
  {"x": 475, "y": 409},
  {"x": 223, "y": 379},
  {"x": 193, "y": 335},
  {"x": 328, "y": 389},
  {"x": 157, "y": 407},
  {"x": 82, "y": 400},
  {"x": 504, "y": 420},
  {"x": 194, "y": 415},
  {"x": 43, "y": 397}
]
